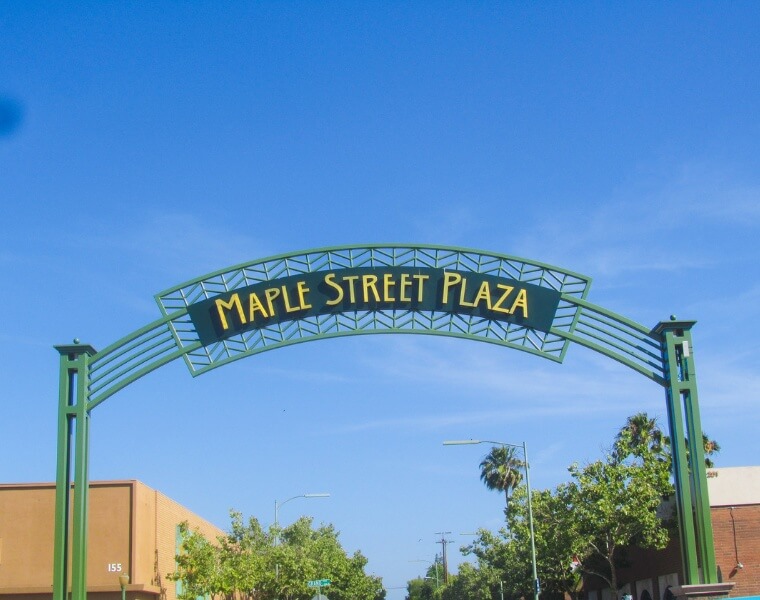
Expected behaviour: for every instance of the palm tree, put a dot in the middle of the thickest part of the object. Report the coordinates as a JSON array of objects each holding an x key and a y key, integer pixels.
[
  {"x": 500, "y": 470},
  {"x": 710, "y": 448},
  {"x": 642, "y": 433},
  {"x": 639, "y": 435}
]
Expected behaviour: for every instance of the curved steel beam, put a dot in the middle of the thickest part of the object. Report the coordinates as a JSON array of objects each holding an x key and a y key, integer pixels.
[{"x": 88, "y": 378}]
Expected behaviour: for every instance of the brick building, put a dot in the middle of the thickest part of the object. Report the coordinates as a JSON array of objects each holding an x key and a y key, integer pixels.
[
  {"x": 132, "y": 530},
  {"x": 735, "y": 507},
  {"x": 735, "y": 510}
]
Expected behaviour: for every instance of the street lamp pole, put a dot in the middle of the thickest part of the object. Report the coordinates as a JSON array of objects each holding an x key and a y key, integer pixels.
[
  {"x": 279, "y": 505},
  {"x": 123, "y": 581},
  {"x": 536, "y": 583},
  {"x": 435, "y": 564}
]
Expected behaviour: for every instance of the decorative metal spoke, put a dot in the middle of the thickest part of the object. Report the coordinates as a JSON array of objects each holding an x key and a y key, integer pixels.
[{"x": 174, "y": 335}]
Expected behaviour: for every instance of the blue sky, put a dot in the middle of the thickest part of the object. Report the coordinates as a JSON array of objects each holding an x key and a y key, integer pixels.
[{"x": 142, "y": 145}]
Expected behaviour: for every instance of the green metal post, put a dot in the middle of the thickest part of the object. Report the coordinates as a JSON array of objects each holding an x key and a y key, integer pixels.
[
  {"x": 699, "y": 480},
  {"x": 63, "y": 479},
  {"x": 73, "y": 417},
  {"x": 693, "y": 503}
]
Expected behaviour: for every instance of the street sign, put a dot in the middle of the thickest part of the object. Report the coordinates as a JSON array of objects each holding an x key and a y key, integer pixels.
[{"x": 318, "y": 582}]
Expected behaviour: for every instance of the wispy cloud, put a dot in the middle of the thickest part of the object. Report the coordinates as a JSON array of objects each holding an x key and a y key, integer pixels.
[
  {"x": 505, "y": 393},
  {"x": 179, "y": 243},
  {"x": 487, "y": 369},
  {"x": 701, "y": 192},
  {"x": 506, "y": 415},
  {"x": 645, "y": 225},
  {"x": 735, "y": 309},
  {"x": 131, "y": 261},
  {"x": 304, "y": 374},
  {"x": 728, "y": 385}
]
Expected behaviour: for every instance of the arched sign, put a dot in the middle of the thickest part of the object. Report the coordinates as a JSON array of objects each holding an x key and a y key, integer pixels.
[{"x": 351, "y": 290}]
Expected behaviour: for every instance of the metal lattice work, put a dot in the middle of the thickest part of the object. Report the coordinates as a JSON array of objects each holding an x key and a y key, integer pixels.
[
  {"x": 201, "y": 359},
  {"x": 174, "y": 335},
  {"x": 141, "y": 352},
  {"x": 181, "y": 296},
  {"x": 617, "y": 337}
]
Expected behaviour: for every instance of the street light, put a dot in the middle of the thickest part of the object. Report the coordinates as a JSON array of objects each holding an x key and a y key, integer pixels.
[
  {"x": 437, "y": 583},
  {"x": 536, "y": 585},
  {"x": 123, "y": 581},
  {"x": 277, "y": 507}
]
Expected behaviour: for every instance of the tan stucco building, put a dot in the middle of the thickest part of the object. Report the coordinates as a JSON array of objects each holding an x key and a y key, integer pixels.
[{"x": 133, "y": 529}]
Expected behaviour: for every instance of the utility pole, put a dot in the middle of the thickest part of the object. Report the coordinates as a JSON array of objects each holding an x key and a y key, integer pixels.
[{"x": 443, "y": 543}]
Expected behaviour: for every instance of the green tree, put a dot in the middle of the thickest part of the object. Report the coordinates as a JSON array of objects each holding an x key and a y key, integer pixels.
[
  {"x": 470, "y": 583},
  {"x": 245, "y": 559},
  {"x": 247, "y": 564},
  {"x": 710, "y": 448},
  {"x": 429, "y": 586},
  {"x": 200, "y": 566},
  {"x": 580, "y": 527},
  {"x": 501, "y": 562},
  {"x": 614, "y": 504},
  {"x": 642, "y": 434},
  {"x": 420, "y": 589},
  {"x": 506, "y": 556},
  {"x": 500, "y": 471},
  {"x": 557, "y": 540}
]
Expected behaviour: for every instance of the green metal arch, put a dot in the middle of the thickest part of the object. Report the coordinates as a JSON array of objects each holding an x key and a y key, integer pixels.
[
  {"x": 89, "y": 377},
  {"x": 173, "y": 335}
]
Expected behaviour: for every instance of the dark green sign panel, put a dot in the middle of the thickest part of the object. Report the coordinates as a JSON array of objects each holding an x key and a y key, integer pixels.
[{"x": 373, "y": 289}]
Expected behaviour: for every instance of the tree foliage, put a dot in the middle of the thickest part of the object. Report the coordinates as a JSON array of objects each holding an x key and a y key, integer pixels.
[
  {"x": 429, "y": 587},
  {"x": 642, "y": 434},
  {"x": 469, "y": 584},
  {"x": 581, "y": 527},
  {"x": 615, "y": 504},
  {"x": 501, "y": 470},
  {"x": 507, "y": 554},
  {"x": 249, "y": 563}
]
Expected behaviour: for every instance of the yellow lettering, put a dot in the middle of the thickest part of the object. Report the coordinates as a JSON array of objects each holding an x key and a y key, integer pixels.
[
  {"x": 369, "y": 282},
  {"x": 233, "y": 303},
  {"x": 405, "y": 283},
  {"x": 522, "y": 302},
  {"x": 484, "y": 293},
  {"x": 388, "y": 283},
  {"x": 507, "y": 291},
  {"x": 255, "y": 304},
  {"x": 449, "y": 280},
  {"x": 286, "y": 299},
  {"x": 351, "y": 287},
  {"x": 330, "y": 280},
  {"x": 271, "y": 294},
  {"x": 302, "y": 291},
  {"x": 463, "y": 289},
  {"x": 420, "y": 282}
]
